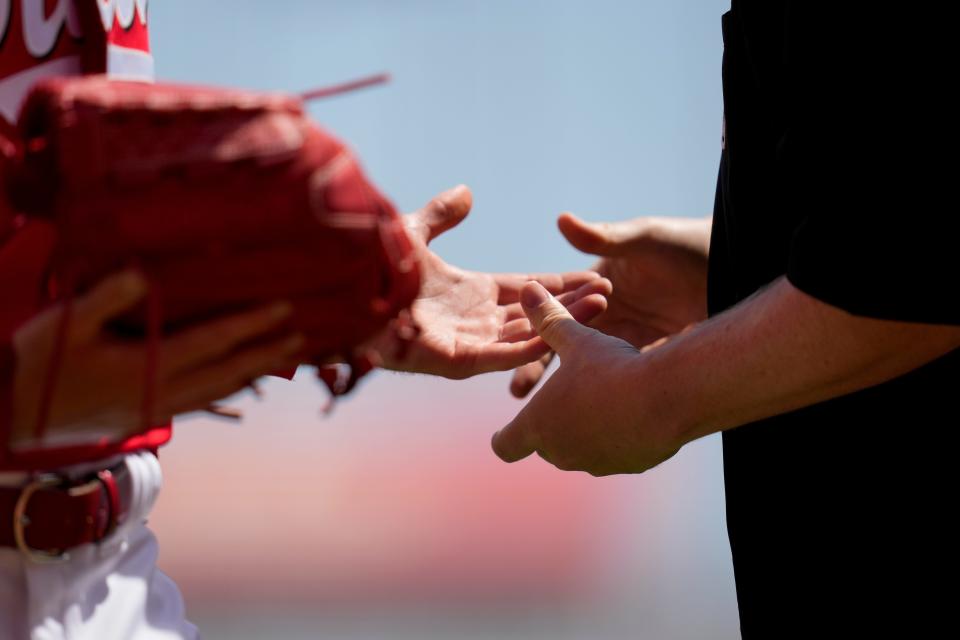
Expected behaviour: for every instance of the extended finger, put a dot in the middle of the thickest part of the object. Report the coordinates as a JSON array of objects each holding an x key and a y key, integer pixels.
[
  {"x": 514, "y": 311},
  {"x": 552, "y": 321},
  {"x": 601, "y": 238},
  {"x": 505, "y": 356},
  {"x": 511, "y": 283},
  {"x": 215, "y": 339},
  {"x": 583, "y": 311},
  {"x": 517, "y": 440},
  {"x": 442, "y": 213},
  {"x": 600, "y": 286}
]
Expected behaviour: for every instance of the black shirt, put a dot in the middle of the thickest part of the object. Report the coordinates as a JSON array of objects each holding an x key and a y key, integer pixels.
[{"x": 837, "y": 172}]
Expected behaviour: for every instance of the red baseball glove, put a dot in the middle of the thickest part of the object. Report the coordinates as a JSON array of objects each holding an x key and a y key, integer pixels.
[{"x": 224, "y": 199}]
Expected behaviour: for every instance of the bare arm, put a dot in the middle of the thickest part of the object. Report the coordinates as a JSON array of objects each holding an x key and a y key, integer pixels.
[
  {"x": 782, "y": 350},
  {"x": 613, "y": 409}
]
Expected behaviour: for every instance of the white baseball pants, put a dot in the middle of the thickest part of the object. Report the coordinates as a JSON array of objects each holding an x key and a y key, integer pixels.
[{"x": 107, "y": 591}]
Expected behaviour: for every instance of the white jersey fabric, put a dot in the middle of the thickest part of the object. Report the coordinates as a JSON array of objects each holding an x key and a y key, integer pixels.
[{"x": 107, "y": 591}]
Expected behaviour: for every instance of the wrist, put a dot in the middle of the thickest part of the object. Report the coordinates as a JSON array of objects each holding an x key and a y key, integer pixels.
[{"x": 668, "y": 394}]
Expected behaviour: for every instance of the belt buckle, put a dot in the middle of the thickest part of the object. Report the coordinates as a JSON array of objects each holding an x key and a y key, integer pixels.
[
  {"x": 104, "y": 480},
  {"x": 21, "y": 521}
]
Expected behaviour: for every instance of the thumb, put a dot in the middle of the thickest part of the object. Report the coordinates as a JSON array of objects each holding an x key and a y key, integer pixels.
[
  {"x": 444, "y": 212},
  {"x": 601, "y": 239},
  {"x": 551, "y": 320},
  {"x": 109, "y": 298}
]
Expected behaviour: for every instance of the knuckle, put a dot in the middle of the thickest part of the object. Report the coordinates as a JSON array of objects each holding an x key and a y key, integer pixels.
[
  {"x": 553, "y": 330},
  {"x": 439, "y": 208},
  {"x": 551, "y": 320}
]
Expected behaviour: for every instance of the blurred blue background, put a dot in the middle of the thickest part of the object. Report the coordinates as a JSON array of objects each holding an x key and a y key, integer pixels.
[{"x": 608, "y": 109}]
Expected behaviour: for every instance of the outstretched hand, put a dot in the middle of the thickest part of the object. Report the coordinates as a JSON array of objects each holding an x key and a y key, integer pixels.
[
  {"x": 600, "y": 412},
  {"x": 472, "y": 322},
  {"x": 658, "y": 268}
]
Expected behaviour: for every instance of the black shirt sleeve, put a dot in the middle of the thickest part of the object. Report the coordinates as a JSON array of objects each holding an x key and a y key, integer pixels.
[
  {"x": 881, "y": 269},
  {"x": 868, "y": 165}
]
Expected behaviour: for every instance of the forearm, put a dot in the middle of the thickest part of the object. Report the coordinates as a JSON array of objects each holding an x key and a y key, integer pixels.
[{"x": 776, "y": 352}]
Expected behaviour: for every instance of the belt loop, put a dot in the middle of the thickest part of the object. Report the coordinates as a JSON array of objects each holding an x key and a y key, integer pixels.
[
  {"x": 109, "y": 484},
  {"x": 121, "y": 528}
]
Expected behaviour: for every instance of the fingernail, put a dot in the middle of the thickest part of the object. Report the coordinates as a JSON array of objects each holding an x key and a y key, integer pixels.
[
  {"x": 519, "y": 389},
  {"x": 533, "y": 295},
  {"x": 281, "y": 310}
]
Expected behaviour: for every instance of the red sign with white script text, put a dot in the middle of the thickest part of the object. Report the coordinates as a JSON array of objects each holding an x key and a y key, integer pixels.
[{"x": 42, "y": 38}]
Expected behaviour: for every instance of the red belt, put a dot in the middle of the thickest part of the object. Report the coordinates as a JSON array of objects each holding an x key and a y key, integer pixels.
[{"x": 52, "y": 514}]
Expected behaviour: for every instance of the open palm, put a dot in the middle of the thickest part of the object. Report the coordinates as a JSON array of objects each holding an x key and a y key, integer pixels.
[
  {"x": 658, "y": 267},
  {"x": 471, "y": 322}
]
